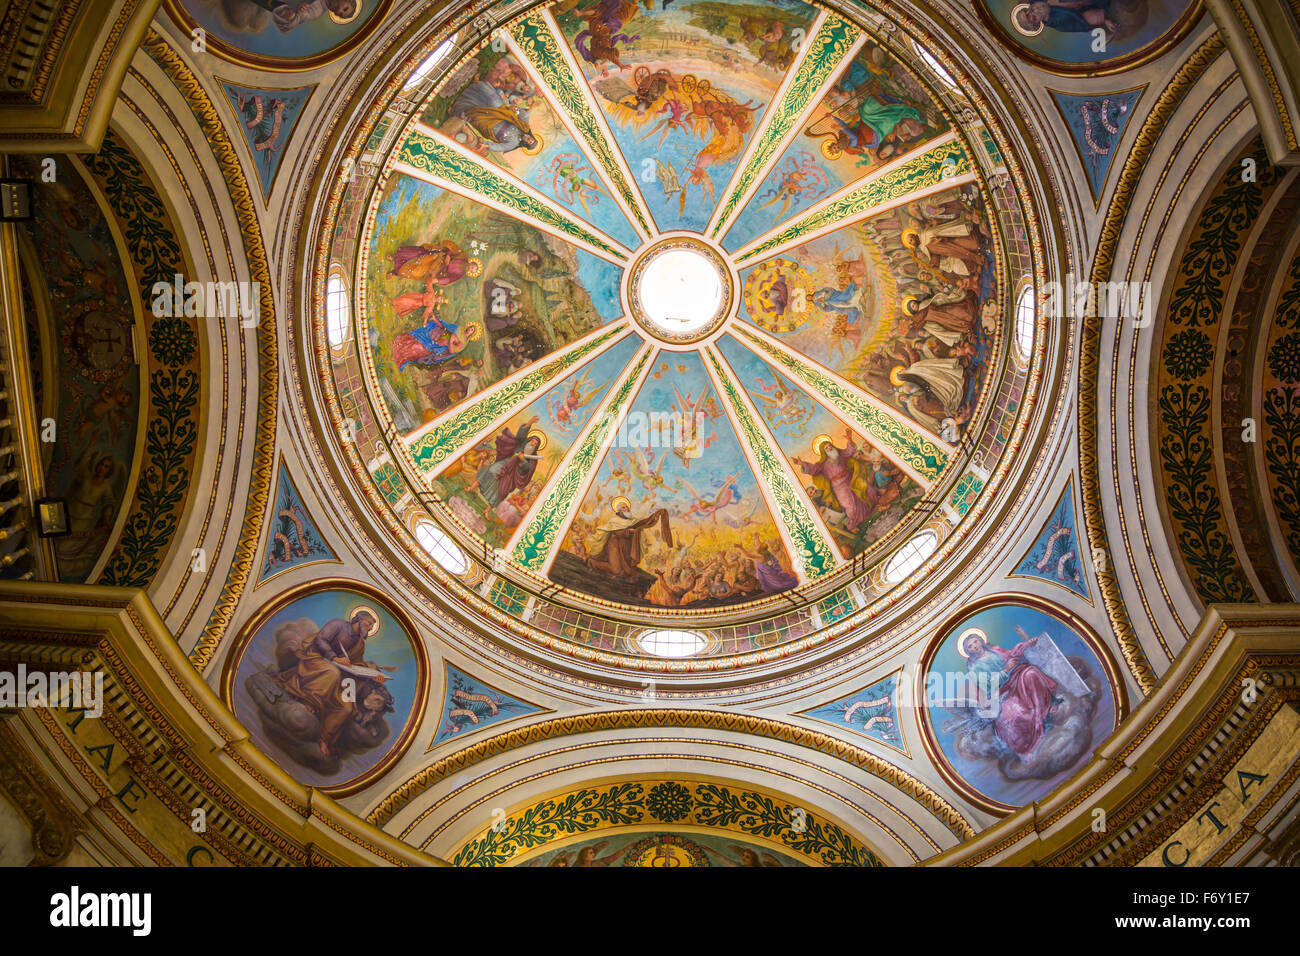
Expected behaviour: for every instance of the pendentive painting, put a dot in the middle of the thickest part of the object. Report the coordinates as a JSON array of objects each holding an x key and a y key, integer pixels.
[
  {"x": 283, "y": 33},
  {"x": 1083, "y": 36},
  {"x": 330, "y": 684},
  {"x": 1016, "y": 701}
]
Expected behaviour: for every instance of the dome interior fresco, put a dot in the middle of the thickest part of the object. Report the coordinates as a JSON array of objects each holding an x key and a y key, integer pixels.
[
  {"x": 650, "y": 433},
  {"x": 855, "y": 384}
]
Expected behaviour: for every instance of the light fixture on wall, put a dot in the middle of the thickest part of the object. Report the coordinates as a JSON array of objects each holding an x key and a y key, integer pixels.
[
  {"x": 15, "y": 200},
  {"x": 52, "y": 517}
]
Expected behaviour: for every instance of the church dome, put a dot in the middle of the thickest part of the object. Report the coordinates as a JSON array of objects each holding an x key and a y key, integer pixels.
[{"x": 700, "y": 319}]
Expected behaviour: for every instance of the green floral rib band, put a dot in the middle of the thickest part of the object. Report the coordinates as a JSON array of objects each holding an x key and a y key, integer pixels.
[
  {"x": 892, "y": 436},
  {"x": 539, "y": 45},
  {"x": 539, "y": 537},
  {"x": 426, "y": 154},
  {"x": 825, "y": 52},
  {"x": 814, "y": 552},
  {"x": 945, "y": 161},
  {"x": 440, "y": 442}
]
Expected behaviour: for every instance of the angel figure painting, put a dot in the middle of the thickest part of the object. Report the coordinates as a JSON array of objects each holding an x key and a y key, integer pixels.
[
  {"x": 1017, "y": 701},
  {"x": 858, "y": 491},
  {"x": 328, "y": 685},
  {"x": 675, "y": 517},
  {"x": 875, "y": 111},
  {"x": 683, "y": 120}
]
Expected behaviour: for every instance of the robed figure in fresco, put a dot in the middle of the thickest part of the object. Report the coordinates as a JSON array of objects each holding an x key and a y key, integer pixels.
[
  {"x": 495, "y": 119},
  {"x": 876, "y": 120},
  {"x": 615, "y": 546},
  {"x": 515, "y": 463},
  {"x": 841, "y": 477},
  {"x": 1025, "y": 693},
  {"x": 439, "y": 263},
  {"x": 433, "y": 343},
  {"x": 314, "y": 671}
]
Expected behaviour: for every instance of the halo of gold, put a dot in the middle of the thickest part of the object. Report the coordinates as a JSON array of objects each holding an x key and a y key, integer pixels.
[
  {"x": 821, "y": 441},
  {"x": 374, "y": 616},
  {"x": 911, "y": 231},
  {"x": 831, "y": 149},
  {"x": 961, "y": 641},
  {"x": 474, "y": 267},
  {"x": 1015, "y": 21},
  {"x": 540, "y": 436},
  {"x": 613, "y": 504},
  {"x": 895, "y": 376},
  {"x": 341, "y": 21},
  {"x": 473, "y": 332},
  {"x": 541, "y": 145},
  {"x": 910, "y": 304}
]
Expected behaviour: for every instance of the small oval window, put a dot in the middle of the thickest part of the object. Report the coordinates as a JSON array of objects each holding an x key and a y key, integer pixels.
[
  {"x": 1024, "y": 328},
  {"x": 438, "y": 545},
  {"x": 430, "y": 62},
  {"x": 910, "y": 556},
  {"x": 933, "y": 63},
  {"x": 670, "y": 643},
  {"x": 338, "y": 313}
]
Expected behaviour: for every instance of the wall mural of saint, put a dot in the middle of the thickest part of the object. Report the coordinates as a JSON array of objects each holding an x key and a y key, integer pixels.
[
  {"x": 330, "y": 684},
  {"x": 1015, "y": 701},
  {"x": 271, "y": 32},
  {"x": 1071, "y": 36}
]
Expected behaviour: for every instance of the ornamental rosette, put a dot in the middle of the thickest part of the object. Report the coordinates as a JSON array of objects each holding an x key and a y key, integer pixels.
[
  {"x": 669, "y": 802},
  {"x": 1188, "y": 354}
]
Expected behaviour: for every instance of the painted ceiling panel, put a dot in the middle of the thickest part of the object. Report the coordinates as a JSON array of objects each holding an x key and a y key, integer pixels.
[{"x": 684, "y": 89}]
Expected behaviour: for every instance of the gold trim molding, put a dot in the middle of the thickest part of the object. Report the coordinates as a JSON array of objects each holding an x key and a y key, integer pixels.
[
  {"x": 1135, "y": 166},
  {"x": 676, "y": 718},
  {"x": 166, "y": 745}
]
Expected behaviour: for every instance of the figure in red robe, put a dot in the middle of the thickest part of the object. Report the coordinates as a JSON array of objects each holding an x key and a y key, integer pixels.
[
  {"x": 1026, "y": 693},
  {"x": 441, "y": 263}
]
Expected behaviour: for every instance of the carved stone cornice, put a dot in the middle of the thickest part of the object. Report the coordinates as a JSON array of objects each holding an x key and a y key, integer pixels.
[
  {"x": 55, "y": 822},
  {"x": 62, "y": 63}
]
